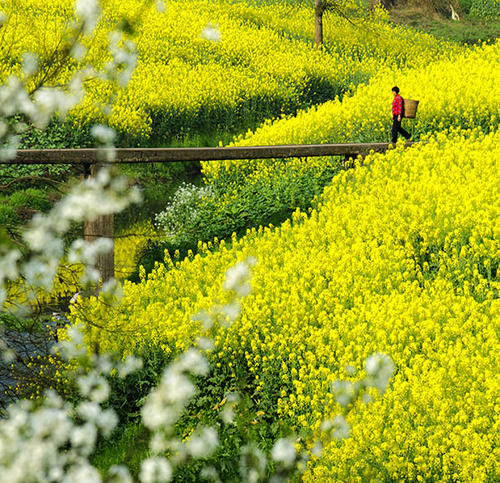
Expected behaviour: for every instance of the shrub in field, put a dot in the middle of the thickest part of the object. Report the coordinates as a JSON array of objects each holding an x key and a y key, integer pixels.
[
  {"x": 401, "y": 256},
  {"x": 186, "y": 215}
]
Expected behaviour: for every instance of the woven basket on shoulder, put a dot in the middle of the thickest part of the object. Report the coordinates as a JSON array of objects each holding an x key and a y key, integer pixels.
[{"x": 411, "y": 108}]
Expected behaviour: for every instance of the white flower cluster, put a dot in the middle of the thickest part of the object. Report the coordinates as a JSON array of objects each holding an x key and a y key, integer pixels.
[
  {"x": 165, "y": 404},
  {"x": 237, "y": 277},
  {"x": 379, "y": 369},
  {"x": 284, "y": 452},
  {"x": 105, "y": 137},
  {"x": 160, "y": 6},
  {"x": 37, "y": 108},
  {"x": 7, "y": 355},
  {"x": 95, "y": 196},
  {"x": 183, "y": 213},
  {"x": 253, "y": 463},
  {"x": 211, "y": 33},
  {"x": 52, "y": 440},
  {"x": 88, "y": 12},
  {"x": 124, "y": 59}
]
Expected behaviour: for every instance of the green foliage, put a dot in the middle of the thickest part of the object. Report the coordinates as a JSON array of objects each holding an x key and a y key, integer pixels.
[
  {"x": 197, "y": 214},
  {"x": 8, "y": 215},
  {"x": 128, "y": 445},
  {"x": 19, "y": 202},
  {"x": 254, "y": 419},
  {"x": 466, "y": 5},
  {"x": 470, "y": 29},
  {"x": 249, "y": 426},
  {"x": 127, "y": 394},
  {"x": 465, "y": 32},
  {"x": 485, "y": 9},
  {"x": 17, "y": 208},
  {"x": 33, "y": 198},
  {"x": 58, "y": 135},
  {"x": 129, "y": 442},
  {"x": 186, "y": 215}
]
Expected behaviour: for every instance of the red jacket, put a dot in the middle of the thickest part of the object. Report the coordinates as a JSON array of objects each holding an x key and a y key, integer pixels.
[{"x": 397, "y": 105}]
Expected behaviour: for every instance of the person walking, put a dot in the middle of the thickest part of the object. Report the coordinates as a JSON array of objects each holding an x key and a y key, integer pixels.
[{"x": 397, "y": 116}]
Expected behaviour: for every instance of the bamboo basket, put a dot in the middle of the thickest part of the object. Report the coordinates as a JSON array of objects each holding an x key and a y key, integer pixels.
[{"x": 411, "y": 108}]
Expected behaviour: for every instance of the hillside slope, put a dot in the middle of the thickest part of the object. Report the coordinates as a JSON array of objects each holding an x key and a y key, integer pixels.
[{"x": 401, "y": 257}]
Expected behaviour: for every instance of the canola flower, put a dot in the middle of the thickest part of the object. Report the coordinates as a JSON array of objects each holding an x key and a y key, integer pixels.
[
  {"x": 229, "y": 72},
  {"x": 400, "y": 257},
  {"x": 53, "y": 439},
  {"x": 262, "y": 62}
]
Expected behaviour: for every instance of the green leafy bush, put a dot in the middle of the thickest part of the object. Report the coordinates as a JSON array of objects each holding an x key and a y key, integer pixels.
[
  {"x": 128, "y": 393},
  {"x": 485, "y": 9},
  {"x": 58, "y": 135},
  {"x": 185, "y": 217},
  {"x": 8, "y": 216},
  {"x": 32, "y": 198}
]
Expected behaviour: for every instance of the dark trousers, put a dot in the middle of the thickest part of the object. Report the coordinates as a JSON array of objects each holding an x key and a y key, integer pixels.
[{"x": 396, "y": 128}]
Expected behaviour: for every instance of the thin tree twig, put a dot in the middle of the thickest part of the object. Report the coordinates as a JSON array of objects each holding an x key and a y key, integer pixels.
[{"x": 5, "y": 187}]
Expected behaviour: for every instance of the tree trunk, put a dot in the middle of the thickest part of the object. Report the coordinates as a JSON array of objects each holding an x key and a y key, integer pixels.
[{"x": 318, "y": 22}]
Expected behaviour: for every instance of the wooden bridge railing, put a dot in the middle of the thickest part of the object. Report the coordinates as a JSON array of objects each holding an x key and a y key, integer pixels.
[{"x": 91, "y": 158}]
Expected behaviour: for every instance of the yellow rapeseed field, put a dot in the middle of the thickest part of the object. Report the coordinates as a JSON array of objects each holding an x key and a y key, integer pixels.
[
  {"x": 464, "y": 93},
  {"x": 263, "y": 65},
  {"x": 401, "y": 257}
]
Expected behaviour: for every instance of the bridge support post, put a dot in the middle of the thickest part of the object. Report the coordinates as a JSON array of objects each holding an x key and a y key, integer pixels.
[{"x": 101, "y": 227}]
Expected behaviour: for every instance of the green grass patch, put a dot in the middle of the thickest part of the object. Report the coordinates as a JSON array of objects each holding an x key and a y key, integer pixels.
[
  {"x": 128, "y": 446},
  {"x": 467, "y": 30}
]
